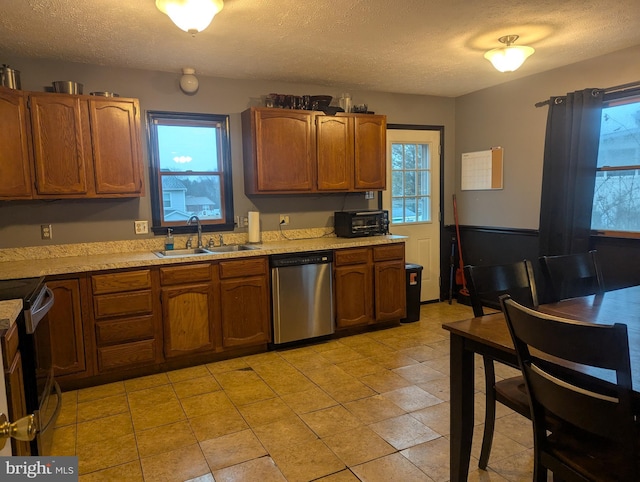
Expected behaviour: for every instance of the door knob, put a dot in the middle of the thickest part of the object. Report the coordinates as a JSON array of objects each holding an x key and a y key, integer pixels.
[{"x": 22, "y": 429}]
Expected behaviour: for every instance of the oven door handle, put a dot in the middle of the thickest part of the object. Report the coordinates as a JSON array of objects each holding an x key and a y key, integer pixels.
[{"x": 40, "y": 311}]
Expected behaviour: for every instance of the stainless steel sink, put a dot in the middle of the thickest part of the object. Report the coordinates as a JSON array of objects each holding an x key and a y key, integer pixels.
[
  {"x": 176, "y": 253},
  {"x": 232, "y": 247}
]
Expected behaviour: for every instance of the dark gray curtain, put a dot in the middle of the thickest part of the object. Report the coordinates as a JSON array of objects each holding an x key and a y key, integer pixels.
[{"x": 568, "y": 177}]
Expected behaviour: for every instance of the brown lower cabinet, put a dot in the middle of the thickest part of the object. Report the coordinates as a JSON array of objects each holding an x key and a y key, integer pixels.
[
  {"x": 68, "y": 351},
  {"x": 244, "y": 300},
  {"x": 12, "y": 365},
  {"x": 123, "y": 323},
  {"x": 369, "y": 285},
  {"x": 189, "y": 309}
]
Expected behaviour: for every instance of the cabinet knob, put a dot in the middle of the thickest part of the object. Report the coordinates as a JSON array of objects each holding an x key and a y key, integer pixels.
[{"x": 23, "y": 429}]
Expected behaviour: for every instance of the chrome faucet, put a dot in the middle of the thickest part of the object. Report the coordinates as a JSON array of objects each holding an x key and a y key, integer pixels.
[{"x": 199, "y": 229}]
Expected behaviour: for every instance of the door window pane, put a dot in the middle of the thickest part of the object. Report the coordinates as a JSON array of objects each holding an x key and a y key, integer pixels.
[{"x": 410, "y": 183}]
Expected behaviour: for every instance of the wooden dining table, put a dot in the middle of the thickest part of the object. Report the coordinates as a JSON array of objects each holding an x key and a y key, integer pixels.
[{"x": 489, "y": 336}]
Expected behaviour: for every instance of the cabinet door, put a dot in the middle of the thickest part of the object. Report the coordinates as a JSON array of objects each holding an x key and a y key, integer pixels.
[
  {"x": 245, "y": 311},
  {"x": 390, "y": 290},
  {"x": 16, "y": 401},
  {"x": 284, "y": 154},
  {"x": 59, "y": 149},
  {"x": 370, "y": 152},
  {"x": 67, "y": 331},
  {"x": 116, "y": 151},
  {"x": 354, "y": 286},
  {"x": 334, "y": 153},
  {"x": 188, "y": 319},
  {"x": 15, "y": 170}
]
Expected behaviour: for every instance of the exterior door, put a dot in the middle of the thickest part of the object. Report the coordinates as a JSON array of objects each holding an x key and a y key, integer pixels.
[{"x": 413, "y": 200}]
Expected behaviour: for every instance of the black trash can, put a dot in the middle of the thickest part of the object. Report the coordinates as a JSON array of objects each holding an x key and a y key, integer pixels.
[{"x": 413, "y": 274}]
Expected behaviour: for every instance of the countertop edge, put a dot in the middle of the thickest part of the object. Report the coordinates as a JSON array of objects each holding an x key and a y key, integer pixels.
[
  {"x": 9, "y": 312},
  {"x": 138, "y": 259}
]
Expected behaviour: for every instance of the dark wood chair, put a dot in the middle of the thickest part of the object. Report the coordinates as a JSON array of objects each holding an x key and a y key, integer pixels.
[
  {"x": 486, "y": 284},
  {"x": 571, "y": 275},
  {"x": 598, "y": 435}
]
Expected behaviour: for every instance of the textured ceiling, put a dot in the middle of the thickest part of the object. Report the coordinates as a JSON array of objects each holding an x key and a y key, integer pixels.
[{"x": 432, "y": 47}]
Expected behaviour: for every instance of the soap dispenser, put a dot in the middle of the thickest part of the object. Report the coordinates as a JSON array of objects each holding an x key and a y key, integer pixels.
[{"x": 168, "y": 241}]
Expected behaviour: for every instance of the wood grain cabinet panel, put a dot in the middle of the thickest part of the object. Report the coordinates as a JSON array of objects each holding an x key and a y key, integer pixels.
[
  {"x": 278, "y": 150},
  {"x": 390, "y": 290},
  {"x": 354, "y": 295},
  {"x": 66, "y": 327},
  {"x": 115, "y": 139},
  {"x": 14, "y": 384},
  {"x": 370, "y": 138},
  {"x": 60, "y": 144},
  {"x": 334, "y": 153},
  {"x": 126, "y": 355},
  {"x": 245, "y": 311},
  {"x": 121, "y": 304},
  {"x": 121, "y": 281},
  {"x": 15, "y": 160},
  {"x": 188, "y": 319}
]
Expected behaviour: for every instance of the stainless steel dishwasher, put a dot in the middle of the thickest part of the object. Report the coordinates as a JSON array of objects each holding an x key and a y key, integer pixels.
[{"x": 302, "y": 295}]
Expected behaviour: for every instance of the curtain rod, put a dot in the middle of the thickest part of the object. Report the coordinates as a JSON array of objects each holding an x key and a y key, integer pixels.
[{"x": 608, "y": 89}]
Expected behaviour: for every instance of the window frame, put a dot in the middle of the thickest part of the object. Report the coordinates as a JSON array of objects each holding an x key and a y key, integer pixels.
[
  {"x": 155, "y": 118},
  {"x": 618, "y": 98}
]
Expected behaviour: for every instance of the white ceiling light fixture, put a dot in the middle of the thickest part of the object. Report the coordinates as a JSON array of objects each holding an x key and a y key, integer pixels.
[
  {"x": 192, "y": 16},
  {"x": 510, "y": 57},
  {"x": 189, "y": 82}
]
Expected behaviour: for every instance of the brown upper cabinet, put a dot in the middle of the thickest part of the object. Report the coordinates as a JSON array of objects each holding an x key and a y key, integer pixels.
[
  {"x": 296, "y": 151},
  {"x": 71, "y": 146},
  {"x": 15, "y": 165}
]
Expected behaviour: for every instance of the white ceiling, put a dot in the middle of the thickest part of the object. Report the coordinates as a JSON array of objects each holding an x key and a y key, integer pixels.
[{"x": 432, "y": 47}]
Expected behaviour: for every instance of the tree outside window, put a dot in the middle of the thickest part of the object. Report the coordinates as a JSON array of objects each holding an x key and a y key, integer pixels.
[{"x": 616, "y": 201}]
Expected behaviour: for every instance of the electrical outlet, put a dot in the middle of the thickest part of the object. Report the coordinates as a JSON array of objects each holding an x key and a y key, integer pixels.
[
  {"x": 45, "y": 231},
  {"x": 284, "y": 219},
  {"x": 141, "y": 227}
]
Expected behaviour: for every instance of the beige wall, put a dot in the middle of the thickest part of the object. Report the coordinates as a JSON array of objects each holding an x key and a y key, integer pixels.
[
  {"x": 505, "y": 116},
  {"x": 99, "y": 220}
]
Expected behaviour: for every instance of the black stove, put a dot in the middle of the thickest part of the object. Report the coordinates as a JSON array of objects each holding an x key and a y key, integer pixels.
[{"x": 26, "y": 289}]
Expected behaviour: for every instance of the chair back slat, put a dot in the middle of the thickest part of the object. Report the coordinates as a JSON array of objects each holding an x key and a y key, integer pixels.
[
  {"x": 487, "y": 283},
  {"x": 572, "y": 275}
]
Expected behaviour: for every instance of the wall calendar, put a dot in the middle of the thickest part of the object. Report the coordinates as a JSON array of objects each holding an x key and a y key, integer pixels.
[{"x": 482, "y": 170}]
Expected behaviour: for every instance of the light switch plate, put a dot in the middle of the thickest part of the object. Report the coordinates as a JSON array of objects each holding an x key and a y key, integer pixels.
[{"x": 141, "y": 227}]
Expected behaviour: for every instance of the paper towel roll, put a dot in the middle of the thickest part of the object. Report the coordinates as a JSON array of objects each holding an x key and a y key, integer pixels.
[{"x": 254, "y": 227}]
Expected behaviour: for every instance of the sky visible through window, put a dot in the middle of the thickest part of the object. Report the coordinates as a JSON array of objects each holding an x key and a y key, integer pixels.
[{"x": 187, "y": 148}]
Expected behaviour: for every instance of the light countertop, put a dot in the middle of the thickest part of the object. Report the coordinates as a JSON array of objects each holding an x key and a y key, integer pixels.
[
  {"x": 67, "y": 259},
  {"x": 9, "y": 311}
]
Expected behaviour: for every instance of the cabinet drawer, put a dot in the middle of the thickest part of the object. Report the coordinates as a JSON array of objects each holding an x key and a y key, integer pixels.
[
  {"x": 119, "y": 331},
  {"x": 105, "y": 306},
  {"x": 389, "y": 251},
  {"x": 245, "y": 267},
  {"x": 129, "y": 354},
  {"x": 352, "y": 256},
  {"x": 118, "y": 282},
  {"x": 185, "y": 274}
]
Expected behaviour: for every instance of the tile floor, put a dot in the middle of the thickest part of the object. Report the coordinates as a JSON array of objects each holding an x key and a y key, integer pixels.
[{"x": 369, "y": 407}]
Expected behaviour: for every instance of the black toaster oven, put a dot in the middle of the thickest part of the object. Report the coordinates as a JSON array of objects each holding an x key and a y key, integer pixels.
[{"x": 357, "y": 223}]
